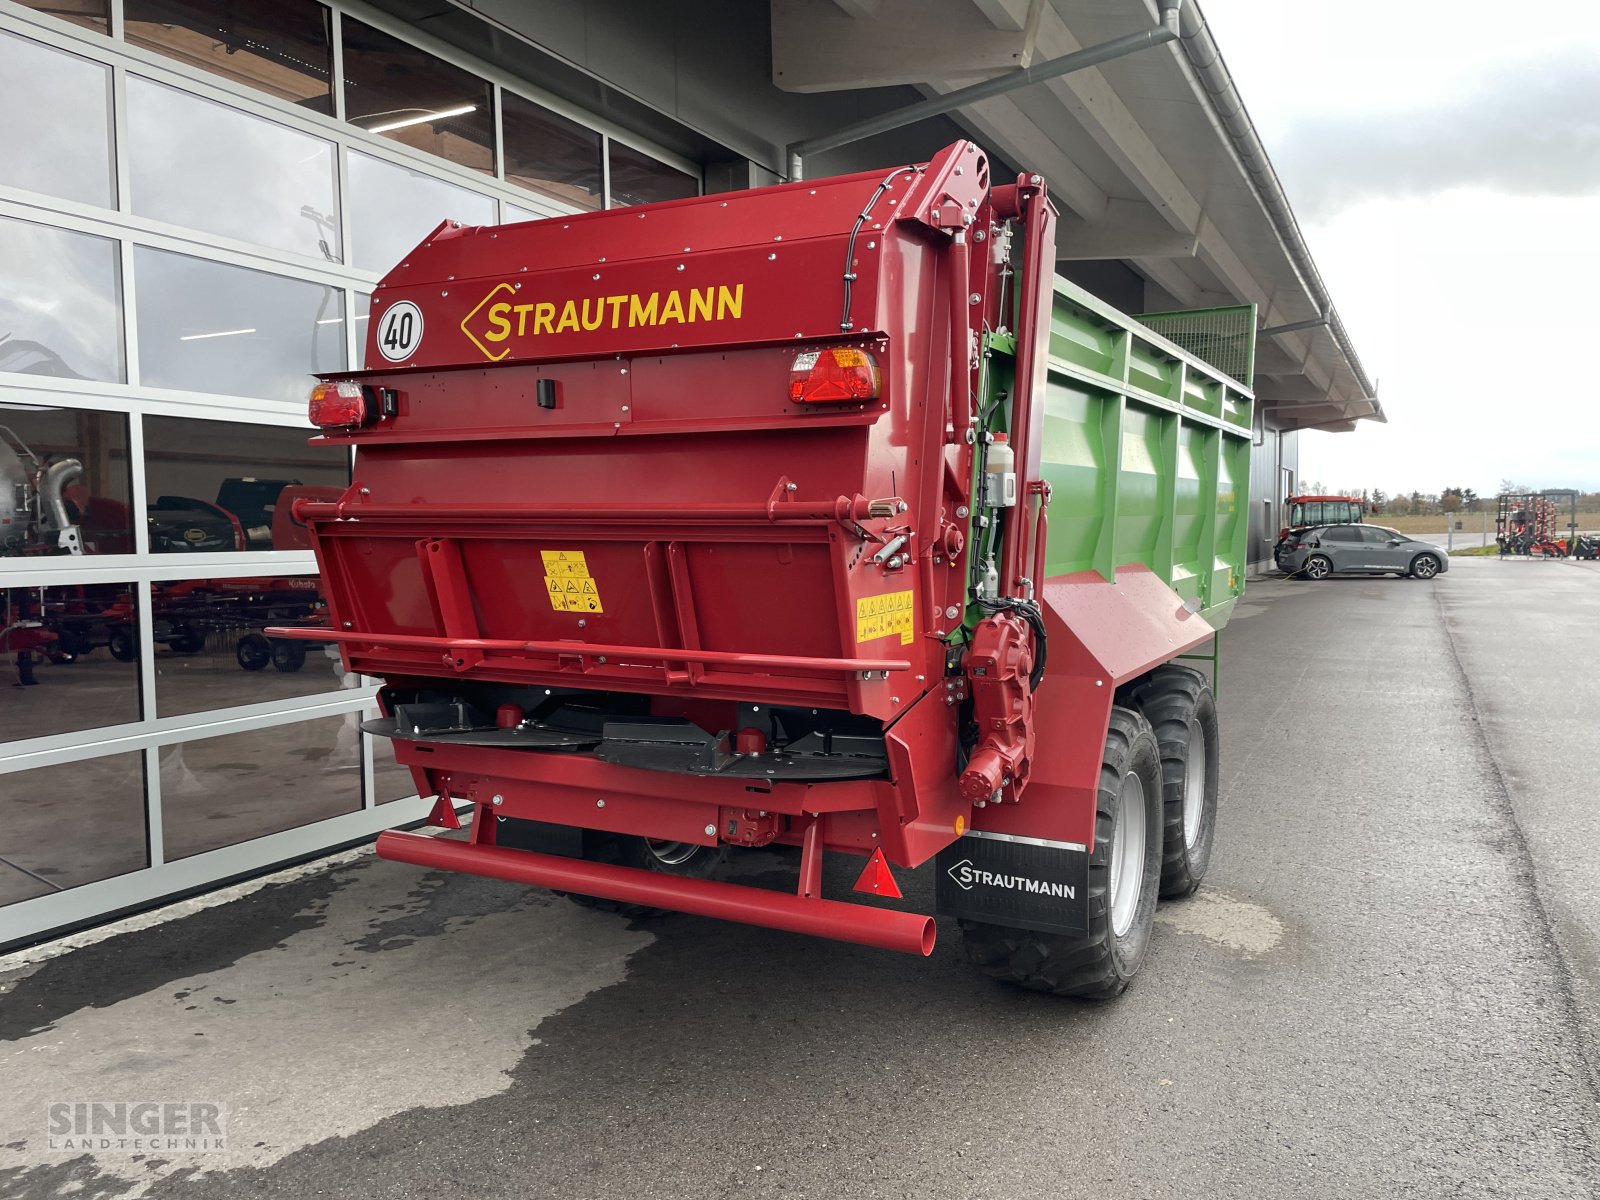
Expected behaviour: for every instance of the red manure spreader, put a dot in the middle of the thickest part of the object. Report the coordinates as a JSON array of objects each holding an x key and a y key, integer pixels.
[{"x": 821, "y": 516}]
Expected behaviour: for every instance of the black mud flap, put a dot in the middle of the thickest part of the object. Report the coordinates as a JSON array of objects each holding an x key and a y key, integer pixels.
[{"x": 1017, "y": 883}]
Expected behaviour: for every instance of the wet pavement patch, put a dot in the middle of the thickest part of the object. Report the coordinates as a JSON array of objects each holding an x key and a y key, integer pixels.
[{"x": 142, "y": 960}]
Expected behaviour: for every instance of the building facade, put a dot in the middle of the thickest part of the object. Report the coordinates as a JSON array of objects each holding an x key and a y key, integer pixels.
[{"x": 194, "y": 208}]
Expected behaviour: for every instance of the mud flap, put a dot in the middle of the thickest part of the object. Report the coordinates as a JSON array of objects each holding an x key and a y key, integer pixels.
[{"x": 1020, "y": 883}]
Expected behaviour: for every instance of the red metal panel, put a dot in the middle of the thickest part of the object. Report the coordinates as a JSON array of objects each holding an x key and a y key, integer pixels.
[
  {"x": 1033, "y": 340},
  {"x": 610, "y": 809},
  {"x": 1125, "y": 627},
  {"x": 477, "y": 771},
  {"x": 926, "y": 811}
]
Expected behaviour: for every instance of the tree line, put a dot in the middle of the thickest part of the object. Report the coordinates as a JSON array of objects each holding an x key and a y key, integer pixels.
[{"x": 1447, "y": 500}]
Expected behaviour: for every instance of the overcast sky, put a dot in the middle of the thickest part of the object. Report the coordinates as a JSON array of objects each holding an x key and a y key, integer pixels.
[{"x": 1444, "y": 162}]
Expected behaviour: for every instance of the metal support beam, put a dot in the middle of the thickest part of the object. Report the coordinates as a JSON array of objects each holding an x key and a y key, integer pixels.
[
  {"x": 1091, "y": 56},
  {"x": 1295, "y": 326}
]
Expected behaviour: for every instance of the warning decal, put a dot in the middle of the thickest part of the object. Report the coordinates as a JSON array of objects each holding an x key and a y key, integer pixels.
[
  {"x": 879, "y": 616},
  {"x": 566, "y": 579}
]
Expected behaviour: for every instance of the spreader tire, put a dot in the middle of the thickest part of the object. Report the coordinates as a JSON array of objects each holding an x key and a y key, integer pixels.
[
  {"x": 1178, "y": 703},
  {"x": 1102, "y": 964}
]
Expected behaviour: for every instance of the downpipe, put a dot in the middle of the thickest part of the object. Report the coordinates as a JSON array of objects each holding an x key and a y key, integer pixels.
[{"x": 881, "y": 928}]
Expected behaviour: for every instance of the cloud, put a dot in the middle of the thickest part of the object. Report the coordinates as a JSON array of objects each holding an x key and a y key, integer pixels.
[{"x": 1527, "y": 128}]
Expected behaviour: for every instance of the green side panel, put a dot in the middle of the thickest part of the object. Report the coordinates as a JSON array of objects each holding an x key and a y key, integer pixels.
[
  {"x": 1195, "y": 482},
  {"x": 1146, "y": 447}
]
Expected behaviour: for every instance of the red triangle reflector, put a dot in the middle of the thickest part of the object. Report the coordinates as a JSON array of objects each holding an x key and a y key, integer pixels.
[
  {"x": 444, "y": 813},
  {"x": 876, "y": 879}
]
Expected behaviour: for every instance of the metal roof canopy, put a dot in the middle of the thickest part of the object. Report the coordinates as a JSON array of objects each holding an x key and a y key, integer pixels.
[{"x": 1151, "y": 157}]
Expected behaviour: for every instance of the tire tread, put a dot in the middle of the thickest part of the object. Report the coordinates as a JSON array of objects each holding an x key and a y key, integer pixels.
[{"x": 1168, "y": 697}]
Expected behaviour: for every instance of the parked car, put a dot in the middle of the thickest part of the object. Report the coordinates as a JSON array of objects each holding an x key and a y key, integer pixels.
[{"x": 1360, "y": 550}]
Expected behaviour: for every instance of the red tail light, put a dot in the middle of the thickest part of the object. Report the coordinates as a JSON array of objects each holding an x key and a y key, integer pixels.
[
  {"x": 838, "y": 375},
  {"x": 340, "y": 405}
]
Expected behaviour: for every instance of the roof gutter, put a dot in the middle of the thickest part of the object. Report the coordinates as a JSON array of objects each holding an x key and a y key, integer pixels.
[
  {"x": 1228, "y": 111},
  {"x": 1165, "y": 30}
]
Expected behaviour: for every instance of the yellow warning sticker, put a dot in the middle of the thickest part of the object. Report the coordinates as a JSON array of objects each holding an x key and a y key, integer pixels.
[
  {"x": 567, "y": 581},
  {"x": 879, "y": 616}
]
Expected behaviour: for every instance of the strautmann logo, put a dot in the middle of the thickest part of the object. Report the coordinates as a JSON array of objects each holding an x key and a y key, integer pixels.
[{"x": 968, "y": 876}]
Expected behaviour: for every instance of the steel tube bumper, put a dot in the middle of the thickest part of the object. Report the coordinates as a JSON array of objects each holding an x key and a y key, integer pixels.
[{"x": 885, "y": 929}]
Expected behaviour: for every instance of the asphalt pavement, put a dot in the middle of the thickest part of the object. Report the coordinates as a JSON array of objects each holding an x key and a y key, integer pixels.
[{"x": 1387, "y": 987}]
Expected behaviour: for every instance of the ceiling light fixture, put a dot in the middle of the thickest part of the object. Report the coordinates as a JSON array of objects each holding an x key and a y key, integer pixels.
[
  {"x": 195, "y": 337},
  {"x": 390, "y": 126}
]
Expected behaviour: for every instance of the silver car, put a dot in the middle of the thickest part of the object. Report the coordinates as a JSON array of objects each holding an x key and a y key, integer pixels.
[{"x": 1357, "y": 549}]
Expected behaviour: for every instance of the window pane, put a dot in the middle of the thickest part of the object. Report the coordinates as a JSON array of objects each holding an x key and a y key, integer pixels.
[
  {"x": 394, "y": 89},
  {"x": 549, "y": 154},
  {"x": 67, "y": 658},
  {"x": 639, "y": 179},
  {"x": 393, "y": 208},
  {"x": 205, "y": 166},
  {"x": 74, "y": 160},
  {"x": 63, "y": 471},
  {"x": 282, "y": 48},
  {"x": 390, "y": 781},
  {"x": 91, "y": 14},
  {"x": 511, "y": 214},
  {"x": 208, "y": 327},
  {"x": 225, "y": 790},
  {"x": 60, "y": 303},
  {"x": 212, "y": 651},
  {"x": 217, "y": 486},
  {"x": 49, "y": 843}
]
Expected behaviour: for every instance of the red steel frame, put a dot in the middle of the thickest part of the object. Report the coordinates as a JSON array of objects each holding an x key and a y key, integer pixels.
[{"x": 733, "y": 536}]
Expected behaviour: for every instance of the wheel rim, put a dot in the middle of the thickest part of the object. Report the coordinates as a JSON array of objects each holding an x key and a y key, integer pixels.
[
  {"x": 1426, "y": 567},
  {"x": 671, "y": 854},
  {"x": 1127, "y": 854},
  {"x": 1317, "y": 568},
  {"x": 1194, "y": 786}
]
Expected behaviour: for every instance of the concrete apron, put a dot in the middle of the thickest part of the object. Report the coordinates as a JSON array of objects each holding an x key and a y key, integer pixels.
[{"x": 368, "y": 989}]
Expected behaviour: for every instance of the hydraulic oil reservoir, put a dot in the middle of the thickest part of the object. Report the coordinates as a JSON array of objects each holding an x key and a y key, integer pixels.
[{"x": 1000, "y": 473}]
